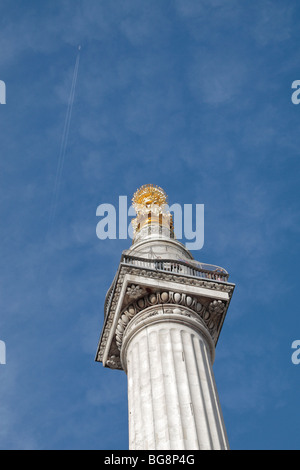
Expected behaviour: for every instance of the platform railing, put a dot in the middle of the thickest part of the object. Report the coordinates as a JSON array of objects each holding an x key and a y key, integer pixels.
[{"x": 201, "y": 270}]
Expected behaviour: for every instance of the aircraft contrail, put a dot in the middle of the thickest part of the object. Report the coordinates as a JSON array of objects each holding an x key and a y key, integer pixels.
[{"x": 63, "y": 147}]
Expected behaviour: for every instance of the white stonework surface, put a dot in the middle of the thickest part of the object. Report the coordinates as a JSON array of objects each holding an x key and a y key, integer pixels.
[
  {"x": 172, "y": 396},
  {"x": 152, "y": 247}
]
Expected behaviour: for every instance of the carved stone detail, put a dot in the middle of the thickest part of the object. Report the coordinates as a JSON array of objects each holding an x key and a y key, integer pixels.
[
  {"x": 216, "y": 307},
  {"x": 114, "y": 362},
  {"x": 209, "y": 316},
  {"x": 134, "y": 292}
]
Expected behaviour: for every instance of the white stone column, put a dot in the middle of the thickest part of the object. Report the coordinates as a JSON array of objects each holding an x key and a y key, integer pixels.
[{"x": 168, "y": 353}]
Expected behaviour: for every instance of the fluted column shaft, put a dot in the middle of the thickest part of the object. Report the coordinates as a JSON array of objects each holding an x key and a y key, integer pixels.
[{"x": 172, "y": 397}]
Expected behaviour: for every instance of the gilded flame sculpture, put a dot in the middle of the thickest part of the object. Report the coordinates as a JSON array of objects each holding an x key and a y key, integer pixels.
[{"x": 151, "y": 205}]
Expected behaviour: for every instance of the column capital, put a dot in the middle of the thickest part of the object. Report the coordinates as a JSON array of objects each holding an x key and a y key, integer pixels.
[{"x": 138, "y": 286}]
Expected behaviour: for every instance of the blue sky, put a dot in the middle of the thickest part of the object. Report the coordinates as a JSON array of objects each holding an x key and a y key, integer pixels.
[{"x": 196, "y": 98}]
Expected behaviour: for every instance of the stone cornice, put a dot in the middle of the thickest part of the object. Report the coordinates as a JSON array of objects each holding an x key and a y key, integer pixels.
[{"x": 150, "y": 279}]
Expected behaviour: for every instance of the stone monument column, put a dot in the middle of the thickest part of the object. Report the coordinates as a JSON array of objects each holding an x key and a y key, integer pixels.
[
  {"x": 167, "y": 353},
  {"x": 163, "y": 316}
]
